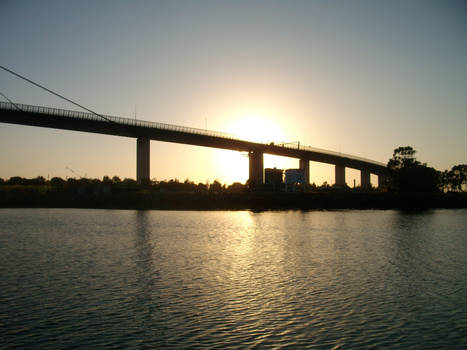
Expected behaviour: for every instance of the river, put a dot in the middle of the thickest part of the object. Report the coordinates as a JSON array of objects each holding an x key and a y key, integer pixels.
[{"x": 77, "y": 278}]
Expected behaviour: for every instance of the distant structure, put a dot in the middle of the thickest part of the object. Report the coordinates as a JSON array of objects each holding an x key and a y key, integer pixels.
[
  {"x": 145, "y": 131},
  {"x": 274, "y": 179},
  {"x": 293, "y": 177}
]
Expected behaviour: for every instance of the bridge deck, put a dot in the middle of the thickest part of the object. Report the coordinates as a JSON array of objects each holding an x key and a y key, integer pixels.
[{"x": 112, "y": 125}]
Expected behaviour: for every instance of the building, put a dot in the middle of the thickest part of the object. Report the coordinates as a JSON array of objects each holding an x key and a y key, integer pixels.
[
  {"x": 293, "y": 177},
  {"x": 274, "y": 178}
]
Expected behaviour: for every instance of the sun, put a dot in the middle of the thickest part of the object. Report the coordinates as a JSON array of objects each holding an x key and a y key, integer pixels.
[
  {"x": 257, "y": 129},
  {"x": 234, "y": 165}
]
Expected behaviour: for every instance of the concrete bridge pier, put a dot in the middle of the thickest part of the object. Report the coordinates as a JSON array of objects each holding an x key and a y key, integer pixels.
[
  {"x": 365, "y": 182},
  {"x": 142, "y": 160},
  {"x": 340, "y": 175},
  {"x": 255, "y": 168},
  {"x": 305, "y": 165}
]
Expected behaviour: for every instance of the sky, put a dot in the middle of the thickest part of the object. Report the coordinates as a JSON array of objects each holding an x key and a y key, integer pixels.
[{"x": 358, "y": 77}]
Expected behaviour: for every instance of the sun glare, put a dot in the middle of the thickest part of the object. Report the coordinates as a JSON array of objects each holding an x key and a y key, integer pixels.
[
  {"x": 234, "y": 165},
  {"x": 257, "y": 129}
]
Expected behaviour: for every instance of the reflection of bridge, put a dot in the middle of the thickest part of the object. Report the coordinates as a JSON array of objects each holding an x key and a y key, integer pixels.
[{"x": 144, "y": 131}]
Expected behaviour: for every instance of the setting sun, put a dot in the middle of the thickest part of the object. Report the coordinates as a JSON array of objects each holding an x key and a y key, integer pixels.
[
  {"x": 234, "y": 165},
  {"x": 257, "y": 129}
]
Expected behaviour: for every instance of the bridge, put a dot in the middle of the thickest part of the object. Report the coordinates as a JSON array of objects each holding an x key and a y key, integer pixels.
[{"x": 144, "y": 131}]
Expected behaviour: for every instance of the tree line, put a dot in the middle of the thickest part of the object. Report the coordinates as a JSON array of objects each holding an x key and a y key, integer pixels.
[
  {"x": 407, "y": 174},
  {"x": 116, "y": 183}
]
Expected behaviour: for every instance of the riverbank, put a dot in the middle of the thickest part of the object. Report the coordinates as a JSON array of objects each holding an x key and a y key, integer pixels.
[{"x": 146, "y": 199}]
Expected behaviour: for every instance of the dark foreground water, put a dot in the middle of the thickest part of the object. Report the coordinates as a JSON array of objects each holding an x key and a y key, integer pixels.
[{"x": 74, "y": 278}]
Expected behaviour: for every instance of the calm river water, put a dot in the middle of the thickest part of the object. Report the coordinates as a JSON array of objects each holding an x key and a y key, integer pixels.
[{"x": 73, "y": 278}]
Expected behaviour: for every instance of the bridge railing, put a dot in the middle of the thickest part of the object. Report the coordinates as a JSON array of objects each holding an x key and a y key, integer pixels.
[
  {"x": 334, "y": 153},
  {"x": 162, "y": 126},
  {"x": 118, "y": 120}
]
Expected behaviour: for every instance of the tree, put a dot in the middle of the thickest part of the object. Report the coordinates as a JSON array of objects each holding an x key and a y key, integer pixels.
[
  {"x": 16, "y": 180},
  {"x": 39, "y": 181},
  {"x": 237, "y": 187},
  {"x": 189, "y": 185},
  {"x": 325, "y": 185},
  {"x": 409, "y": 175},
  {"x": 459, "y": 177},
  {"x": 215, "y": 186},
  {"x": 403, "y": 157},
  {"x": 456, "y": 178},
  {"x": 106, "y": 180},
  {"x": 57, "y": 182}
]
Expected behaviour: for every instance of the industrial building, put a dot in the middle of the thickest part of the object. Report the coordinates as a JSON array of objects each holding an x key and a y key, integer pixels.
[{"x": 274, "y": 179}]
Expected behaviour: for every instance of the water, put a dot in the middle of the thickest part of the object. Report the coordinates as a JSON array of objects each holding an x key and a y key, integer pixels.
[{"x": 74, "y": 278}]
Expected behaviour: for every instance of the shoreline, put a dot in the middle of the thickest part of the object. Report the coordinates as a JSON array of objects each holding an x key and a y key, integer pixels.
[{"x": 255, "y": 201}]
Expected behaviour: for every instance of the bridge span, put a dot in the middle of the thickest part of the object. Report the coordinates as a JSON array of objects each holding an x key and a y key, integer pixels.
[{"x": 144, "y": 131}]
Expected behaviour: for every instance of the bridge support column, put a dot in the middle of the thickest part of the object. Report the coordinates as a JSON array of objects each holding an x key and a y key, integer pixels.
[
  {"x": 305, "y": 165},
  {"x": 365, "y": 182},
  {"x": 142, "y": 160},
  {"x": 340, "y": 175},
  {"x": 256, "y": 169}
]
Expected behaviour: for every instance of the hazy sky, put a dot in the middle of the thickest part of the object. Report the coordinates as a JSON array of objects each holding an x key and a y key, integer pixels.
[{"x": 360, "y": 77}]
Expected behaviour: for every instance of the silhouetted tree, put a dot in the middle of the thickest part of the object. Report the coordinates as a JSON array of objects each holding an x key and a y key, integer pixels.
[
  {"x": 71, "y": 183},
  {"x": 403, "y": 157},
  {"x": 409, "y": 175},
  {"x": 57, "y": 182},
  {"x": 15, "y": 180},
  {"x": 106, "y": 180},
  {"x": 116, "y": 180},
  {"x": 418, "y": 179},
  {"x": 189, "y": 186},
  {"x": 237, "y": 187},
  {"x": 129, "y": 183},
  {"x": 84, "y": 181},
  {"x": 38, "y": 181},
  {"x": 459, "y": 176},
  {"x": 215, "y": 186},
  {"x": 173, "y": 186},
  {"x": 325, "y": 185},
  {"x": 95, "y": 182},
  {"x": 455, "y": 179}
]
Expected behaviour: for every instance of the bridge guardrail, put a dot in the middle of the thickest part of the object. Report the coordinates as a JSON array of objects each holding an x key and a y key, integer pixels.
[
  {"x": 119, "y": 120},
  {"x": 334, "y": 153},
  {"x": 170, "y": 127}
]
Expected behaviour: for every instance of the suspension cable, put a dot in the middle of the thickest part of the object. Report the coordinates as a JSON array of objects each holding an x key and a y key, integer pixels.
[{"x": 54, "y": 93}]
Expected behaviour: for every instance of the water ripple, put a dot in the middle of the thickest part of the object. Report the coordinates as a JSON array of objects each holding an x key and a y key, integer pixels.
[{"x": 233, "y": 280}]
